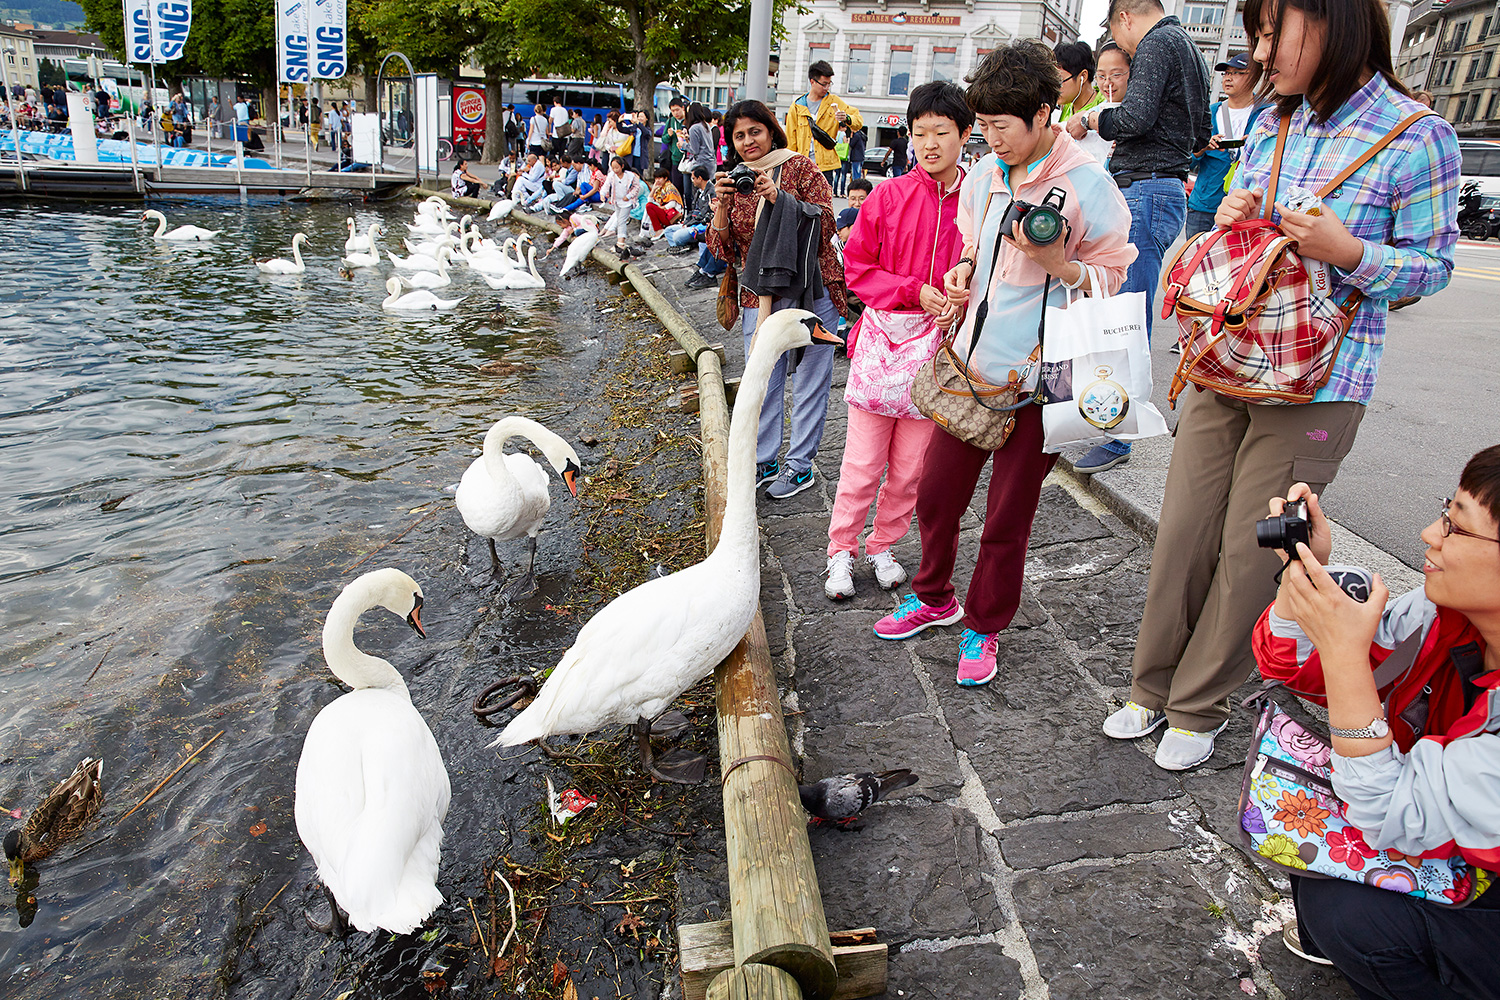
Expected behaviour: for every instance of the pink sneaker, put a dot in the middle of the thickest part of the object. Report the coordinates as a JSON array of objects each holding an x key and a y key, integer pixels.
[
  {"x": 976, "y": 658},
  {"x": 912, "y": 616}
]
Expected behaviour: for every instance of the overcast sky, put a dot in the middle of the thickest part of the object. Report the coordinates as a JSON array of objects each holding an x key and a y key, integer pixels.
[{"x": 1088, "y": 20}]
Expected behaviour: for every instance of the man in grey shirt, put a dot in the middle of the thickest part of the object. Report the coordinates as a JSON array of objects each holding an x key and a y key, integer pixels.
[{"x": 1162, "y": 122}]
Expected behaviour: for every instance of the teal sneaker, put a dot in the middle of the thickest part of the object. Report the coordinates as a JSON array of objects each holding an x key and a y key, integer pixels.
[
  {"x": 912, "y": 616},
  {"x": 976, "y": 658}
]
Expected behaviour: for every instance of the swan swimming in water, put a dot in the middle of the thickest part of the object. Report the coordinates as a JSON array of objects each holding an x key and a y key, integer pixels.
[
  {"x": 650, "y": 644},
  {"x": 419, "y": 261},
  {"x": 372, "y": 790},
  {"x": 357, "y": 259},
  {"x": 518, "y": 277},
  {"x": 504, "y": 496},
  {"x": 280, "y": 265},
  {"x": 358, "y": 242},
  {"x": 420, "y": 300},
  {"x": 429, "y": 279},
  {"x": 182, "y": 234}
]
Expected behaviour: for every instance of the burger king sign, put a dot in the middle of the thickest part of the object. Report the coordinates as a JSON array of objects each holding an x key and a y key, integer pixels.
[{"x": 468, "y": 110}]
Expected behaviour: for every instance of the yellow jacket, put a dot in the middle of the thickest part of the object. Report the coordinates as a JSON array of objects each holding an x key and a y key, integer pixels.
[{"x": 799, "y": 131}]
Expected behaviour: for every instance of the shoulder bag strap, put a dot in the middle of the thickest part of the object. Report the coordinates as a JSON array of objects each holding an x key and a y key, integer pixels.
[
  {"x": 1269, "y": 204},
  {"x": 1381, "y": 143}
]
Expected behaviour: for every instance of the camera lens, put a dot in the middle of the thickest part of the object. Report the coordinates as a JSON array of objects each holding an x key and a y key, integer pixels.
[
  {"x": 1043, "y": 225},
  {"x": 1270, "y": 532}
]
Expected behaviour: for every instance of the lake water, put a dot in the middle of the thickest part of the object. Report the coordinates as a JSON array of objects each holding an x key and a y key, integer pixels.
[{"x": 194, "y": 458}]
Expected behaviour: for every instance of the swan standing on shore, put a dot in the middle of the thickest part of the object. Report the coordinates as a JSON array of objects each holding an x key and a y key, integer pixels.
[
  {"x": 280, "y": 265},
  {"x": 372, "y": 791},
  {"x": 504, "y": 496},
  {"x": 518, "y": 277},
  {"x": 182, "y": 234},
  {"x": 501, "y": 209},
  {"x": 650, "y": 644},
  {"x": 420, "y": 300},
  {"x": 357, "y": 259},
  {"x": 582, "y": 245}
]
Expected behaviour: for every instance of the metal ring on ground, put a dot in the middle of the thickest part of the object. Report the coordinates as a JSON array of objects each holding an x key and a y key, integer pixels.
[{"x": 525, "y": 687}]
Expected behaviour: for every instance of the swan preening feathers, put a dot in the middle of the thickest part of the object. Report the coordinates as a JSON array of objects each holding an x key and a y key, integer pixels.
[
  {"x": 372, "y": 790},
  {"x": 504, "y": 496},
  {"x": 650, "y": 644}
]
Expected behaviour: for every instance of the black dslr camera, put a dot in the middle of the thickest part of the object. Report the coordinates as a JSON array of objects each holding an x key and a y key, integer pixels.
[
  {"x": 1043, "y": 224},
  {"x": 1283, "y": 531},
  {"x": 744, "y": 178}
]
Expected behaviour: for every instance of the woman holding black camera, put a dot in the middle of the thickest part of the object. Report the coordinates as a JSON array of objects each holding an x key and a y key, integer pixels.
[{"x": 743, "y": 202}]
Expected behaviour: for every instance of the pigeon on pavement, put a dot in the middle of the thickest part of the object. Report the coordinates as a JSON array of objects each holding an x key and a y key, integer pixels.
[{"x": 843, "y": 797}]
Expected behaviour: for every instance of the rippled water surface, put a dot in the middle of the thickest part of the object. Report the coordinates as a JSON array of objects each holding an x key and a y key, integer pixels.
[{"x": 195, "y": 456}]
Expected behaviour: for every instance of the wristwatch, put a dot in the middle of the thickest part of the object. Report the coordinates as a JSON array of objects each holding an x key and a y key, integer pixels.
[
  {"x": 1376, "y": 730},
  {"x": 966, "y": 260}
]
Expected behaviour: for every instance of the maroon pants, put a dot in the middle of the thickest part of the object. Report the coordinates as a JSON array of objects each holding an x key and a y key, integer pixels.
[{"x": 950, "y": 471}]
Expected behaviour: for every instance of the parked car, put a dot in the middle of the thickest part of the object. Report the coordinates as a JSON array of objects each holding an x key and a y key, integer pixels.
[{"x": 873, "y": 156}]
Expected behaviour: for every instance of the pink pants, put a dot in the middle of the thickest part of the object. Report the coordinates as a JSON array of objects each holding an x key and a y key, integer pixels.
[{"x": 874, "y": 444}]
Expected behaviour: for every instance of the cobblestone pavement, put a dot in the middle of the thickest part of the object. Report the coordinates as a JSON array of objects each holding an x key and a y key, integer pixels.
[{"x": 1035, "y": 857}]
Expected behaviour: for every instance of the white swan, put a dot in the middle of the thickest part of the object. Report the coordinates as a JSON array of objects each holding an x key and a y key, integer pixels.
[
  {"x": 488, "y": 262},
  {"x": 430, "y": 247},
  {"x": 517, "y": 277},
  {"x": 430, "y": 279},
  {"x": 428, "y": 225},
  {"x": 504, "y": 496},
  {"x": 420, "y": 300},
  {"x": 357, "y": 259},
  {"x": 372, "y": 791},
  {"x": 650, "y": 644},
  {"x": 580, "y": 248},
  {"x": 280, "y": 265},
  {"x": 501, "y": 209},
  {"x": 435, "y": 206},
  {"x": 361, "y": 242},
  {"x": 419, "y": 261},
  {"x": 181, "y": 234}
]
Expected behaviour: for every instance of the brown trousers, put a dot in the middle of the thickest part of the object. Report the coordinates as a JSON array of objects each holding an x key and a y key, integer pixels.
[{"x": 1209, "y": 579}]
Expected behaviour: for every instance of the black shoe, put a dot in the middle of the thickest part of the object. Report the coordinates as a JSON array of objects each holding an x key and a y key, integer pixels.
[
  {"x": 683, "y": 250},
  {"x": 701, "y": 280}
]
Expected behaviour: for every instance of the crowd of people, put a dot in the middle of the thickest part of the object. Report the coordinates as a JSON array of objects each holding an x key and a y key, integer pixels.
[{"x": 933, "y": 252}]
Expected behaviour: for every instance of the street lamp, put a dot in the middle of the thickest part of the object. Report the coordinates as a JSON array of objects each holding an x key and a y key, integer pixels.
[{"x": 15, "y": 129}]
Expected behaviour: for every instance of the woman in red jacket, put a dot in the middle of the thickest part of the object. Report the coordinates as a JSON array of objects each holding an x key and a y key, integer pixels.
[
  {"x": 904, "y": 241},
  {"x": 1423, "y": 782}
]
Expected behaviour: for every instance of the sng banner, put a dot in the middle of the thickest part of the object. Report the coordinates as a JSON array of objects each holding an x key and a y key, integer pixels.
[
  {"x": 156, "y": 31},
  {"x": 328, "y": 31},
  {"x": 291, "y": 41}
]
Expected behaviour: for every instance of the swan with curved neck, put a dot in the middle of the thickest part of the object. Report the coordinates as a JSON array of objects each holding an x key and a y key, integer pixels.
[
  {"x": 518, "y": 277},
  {"x": 182, "y": 234},
  {"x": 357, "y": 259},
  {"x": 418, "y": 300},
  {"x": 280, "y": 265},
  {"x": 487, "y": 262},
  {"x": 505, "y": 496},
  {"x": 358, "y": 242},
  {"x": 650, "y": 644},
  {"x": 372, "y": 790},
  {"x": 419, "y": 261},
  {"x": 430, "y": 279}
]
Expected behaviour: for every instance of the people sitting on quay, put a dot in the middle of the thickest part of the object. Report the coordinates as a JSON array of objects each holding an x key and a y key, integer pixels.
[{"x": 465, "y": 184}]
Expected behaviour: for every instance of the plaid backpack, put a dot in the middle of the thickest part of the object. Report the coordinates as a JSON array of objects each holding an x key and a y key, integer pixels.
[{"x": 1251, "y": 325}]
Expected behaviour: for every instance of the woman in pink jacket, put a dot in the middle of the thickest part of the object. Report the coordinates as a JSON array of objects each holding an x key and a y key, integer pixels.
[{"x": 903, "y": 242}]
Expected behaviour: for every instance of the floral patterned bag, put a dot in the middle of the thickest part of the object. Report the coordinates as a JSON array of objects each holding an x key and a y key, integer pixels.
[
  {"x": 887, "y": 350},
  {"x": 1291, "y": 819}
]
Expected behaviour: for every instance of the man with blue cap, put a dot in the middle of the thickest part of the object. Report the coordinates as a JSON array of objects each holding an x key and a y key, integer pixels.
[{"x": 1217, "y": 164}]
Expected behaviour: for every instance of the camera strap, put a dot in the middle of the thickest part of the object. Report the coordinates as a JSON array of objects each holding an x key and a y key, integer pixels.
[{"x": 983, "y": 311}]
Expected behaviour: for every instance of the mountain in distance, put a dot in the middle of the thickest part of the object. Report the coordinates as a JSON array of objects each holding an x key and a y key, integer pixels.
[{"x": 44, "y": 12}]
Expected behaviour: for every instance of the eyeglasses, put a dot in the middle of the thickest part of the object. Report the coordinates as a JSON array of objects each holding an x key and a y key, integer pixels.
[
  {"x": 1449, "y": 528},
  {"x": 1118, "y": 74},
  {"x": 827, "y": 81}
]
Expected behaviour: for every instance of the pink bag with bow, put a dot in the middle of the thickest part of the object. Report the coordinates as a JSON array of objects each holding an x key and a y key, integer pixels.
[{"x": 886, "y": 351}]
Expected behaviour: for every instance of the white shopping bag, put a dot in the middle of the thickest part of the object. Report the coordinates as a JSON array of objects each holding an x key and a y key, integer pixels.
[{"x": 1096, "y": 371}]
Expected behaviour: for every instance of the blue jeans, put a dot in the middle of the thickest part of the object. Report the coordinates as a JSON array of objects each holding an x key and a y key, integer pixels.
[
  {"x": 857, "y": 168},
  {"x": 1199, "y": 222},
  {"x": 1157, "y": 210},
  {"x": 810, "y": 385},
  {"x": 711, "y": 265},
  {"x": 682, "y": 236}
]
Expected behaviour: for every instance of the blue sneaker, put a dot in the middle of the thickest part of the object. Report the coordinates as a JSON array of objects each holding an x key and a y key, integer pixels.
[
  {"x": 767, "y": 471},
  {"x": 1098, "y": 459},
  {"x": 789, "y": 484},
  {"x": 976, "y": 657}
]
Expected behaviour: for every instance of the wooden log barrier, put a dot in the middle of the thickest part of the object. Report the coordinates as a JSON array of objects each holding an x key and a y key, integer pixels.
[
  {"x": 754, "y": 982},
  {"x": 707, "y": 949}
]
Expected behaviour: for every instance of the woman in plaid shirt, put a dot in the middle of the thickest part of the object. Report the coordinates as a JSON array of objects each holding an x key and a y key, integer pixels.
[{"x": 1387, "y": 232}]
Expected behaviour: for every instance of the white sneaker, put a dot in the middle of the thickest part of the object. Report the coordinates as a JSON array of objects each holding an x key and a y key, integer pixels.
[
  {"x": 888, "y": 572},
  {"x": 1181, "y": 749},
  {"x": 840, "y": 576},
  {"x": 1132, "y": 721}
]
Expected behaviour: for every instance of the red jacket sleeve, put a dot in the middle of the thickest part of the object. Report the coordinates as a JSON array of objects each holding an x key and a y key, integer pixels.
[
  {"x": 1292, "y": 661},
  {"x": 874, "y": 285}
]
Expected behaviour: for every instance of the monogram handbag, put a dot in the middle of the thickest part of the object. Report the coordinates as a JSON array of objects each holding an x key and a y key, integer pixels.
[
  {"x": 962, "y": 403},
  {"x": 1291, "y": 819},
  {"x": 1251, "y": 324}
]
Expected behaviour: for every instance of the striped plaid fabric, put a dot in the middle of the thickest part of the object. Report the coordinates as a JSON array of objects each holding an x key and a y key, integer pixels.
[{"x": 1403, "y": 204}]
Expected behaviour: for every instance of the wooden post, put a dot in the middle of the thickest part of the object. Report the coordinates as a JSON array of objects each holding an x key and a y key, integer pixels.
[{"x": 754, "y": 982}]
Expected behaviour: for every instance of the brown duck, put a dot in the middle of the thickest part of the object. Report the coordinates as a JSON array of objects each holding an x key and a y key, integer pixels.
[{"x": 62, "y": 814}]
